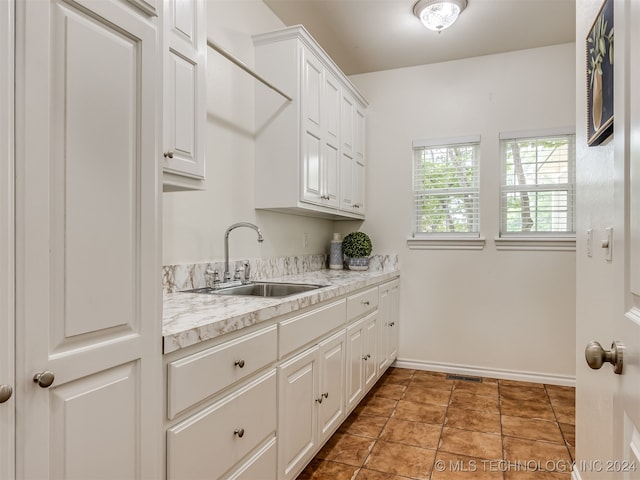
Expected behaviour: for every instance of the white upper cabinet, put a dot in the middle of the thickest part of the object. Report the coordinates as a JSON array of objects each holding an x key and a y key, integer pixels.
[
  {"x": 184, "y": 116},
  {"x": 306, "y": 148}
]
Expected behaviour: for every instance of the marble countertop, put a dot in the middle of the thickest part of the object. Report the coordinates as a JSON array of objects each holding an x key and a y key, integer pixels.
[{"x": 190, "y": 318}]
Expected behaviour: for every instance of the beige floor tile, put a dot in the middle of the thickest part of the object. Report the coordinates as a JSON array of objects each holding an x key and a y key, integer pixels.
[
  {"x": 569, "y": 432},
  {"x": 549, "y": 457},
  {"x": 528, "y": 394},
  {"x": 458, "y": 467},
  {"x": 399, "y": 376},
  {"x": 517, "y": 383},
  {"x": 558, "y": 394},
  {"x": 472, "y": 444},
  {"x": 532, "y": 429},
  {"x": 376, "y": 406},
  {"x": 565, "y": 413},
  {"x": 429, "y": 380},
  {"x": 470, "y": 401},
  {"x": 514, "y": 475},
  {"x": 363, "y": 425},
  {"x": 347, "y": 449},
  {"x": 325, "y": 470},
  {"x": 420, "y": 412},
  {"x": 403, "y": 460},
  {"x": 419, "y": 394},
  {"x": 366, "y": 474},
  {"x": 390, "y": 390},
  {"x": 483, "y": 388},
  {"x": 472, "y": 420},
  {"x": 521, "y": 408},
  {"x": 418, "y": 434}
]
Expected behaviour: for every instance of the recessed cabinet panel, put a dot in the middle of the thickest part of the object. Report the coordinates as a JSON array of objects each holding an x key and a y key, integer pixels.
[
  {"x": 312, "y": 168},
  {"x": 332, "y": 381},
  {"x": 183, "y": 19},
  {"x": 198, "y": 376},
  {"x": 100, "y": 413},
  {"x": 210, "y": 442},
  {"x": 330, "y": 164},
  {"x": 94, "y": 163},
  {"x": 312, "y": 84}
]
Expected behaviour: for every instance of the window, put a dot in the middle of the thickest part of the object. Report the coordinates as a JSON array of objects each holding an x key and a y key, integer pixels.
[
  {"x": 538, "y": 184},
  {"x": 446, "y": 187}
]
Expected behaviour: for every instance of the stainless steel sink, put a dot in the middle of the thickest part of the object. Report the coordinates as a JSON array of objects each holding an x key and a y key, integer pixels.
[{"x": 260, "y": 289}]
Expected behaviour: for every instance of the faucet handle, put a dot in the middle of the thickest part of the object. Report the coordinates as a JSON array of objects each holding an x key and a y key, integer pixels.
[
  {"x": 216, "y": 276},
  {"x": 247, "y": 270},
  {"x": 238, "y": 273}
]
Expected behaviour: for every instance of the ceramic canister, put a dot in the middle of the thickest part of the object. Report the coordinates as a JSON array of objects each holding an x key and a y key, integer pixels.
[{"x": 335, "y": 253}]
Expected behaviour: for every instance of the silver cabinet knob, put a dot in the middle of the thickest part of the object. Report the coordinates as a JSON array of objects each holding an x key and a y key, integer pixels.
[
  {"x": 366, "y": 302},
  {"x": 596, "y": 356},
  {"x": 319, "y": 399},
  {"x": 168, "y": 154},
  {"x": 392, "y": 324},
  {"x": 44, "y": 379},
  {"x": 5, "y": 393},
  {"x": 239, "y": 432},
  {"x": 239, "y": 363}
]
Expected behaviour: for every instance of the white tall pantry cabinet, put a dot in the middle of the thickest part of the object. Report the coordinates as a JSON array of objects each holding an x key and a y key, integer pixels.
[{"x": 87, "y": 389}]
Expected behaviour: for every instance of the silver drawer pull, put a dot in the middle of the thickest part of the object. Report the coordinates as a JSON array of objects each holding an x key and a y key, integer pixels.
[
  {"x": 325, "y": 394},
  {"x": 168, "y": 154},
  {"x": 319, "y": 399},
  {"x": 392, "y": 324},
  {"x": 366, "y": 357},
  {"x": 365, "y": 302},
  {"x": 239, "y": 432},
  {"x": 239, "y": 363}
]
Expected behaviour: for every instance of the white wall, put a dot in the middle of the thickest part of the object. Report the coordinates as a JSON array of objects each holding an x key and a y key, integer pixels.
[
  {"x": 195, "y": 222},
  {"x": 501, "y": 311},
  {"x": 594, "y": 275}
]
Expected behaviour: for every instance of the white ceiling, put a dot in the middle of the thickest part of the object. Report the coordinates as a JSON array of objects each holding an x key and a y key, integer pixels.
[{"x": 371, "y": 35}]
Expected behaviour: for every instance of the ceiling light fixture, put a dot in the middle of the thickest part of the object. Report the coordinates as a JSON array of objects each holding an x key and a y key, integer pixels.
[{"x": 437, "y": 15}]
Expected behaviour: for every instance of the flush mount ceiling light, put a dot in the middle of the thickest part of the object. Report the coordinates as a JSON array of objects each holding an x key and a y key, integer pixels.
[{"x": 437, "y": 15}]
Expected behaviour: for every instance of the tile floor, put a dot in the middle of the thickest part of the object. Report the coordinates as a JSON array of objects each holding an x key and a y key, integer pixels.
[{"x": 420, "y": 425}]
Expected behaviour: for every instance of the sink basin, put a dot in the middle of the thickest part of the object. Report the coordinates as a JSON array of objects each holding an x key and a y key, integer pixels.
[{"x": 260, "y": 289}]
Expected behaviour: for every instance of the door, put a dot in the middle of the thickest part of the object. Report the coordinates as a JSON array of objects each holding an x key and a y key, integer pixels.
[
  {"x": 297, "y": 394},
  {"x": 355, "y": 367},
  {"x": 88, "y": 307},
  {"x": 626, "y": 426},
  {"x": 331, "y": 396},
  {"x": 608, "y": 401},
  {"x": 370, "y": 330},
  {"x": 184, "y": 88},
  {"x": 7, "y": 384}
]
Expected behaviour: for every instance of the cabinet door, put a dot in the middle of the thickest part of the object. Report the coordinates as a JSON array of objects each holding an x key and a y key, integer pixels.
[
  {"x": 184, "y": 87},
  {"x": 355, "y": 367},
  {"x": 311, "y": 131},
  {"x": 370, "y": 329},
  {"x": 388, "y": 331},
  {"x": 298, "y": 391},
  {"x": 87, "y": 263},
  {"x": 332, "y": 382},
  {"x": 359, "y": 164}
]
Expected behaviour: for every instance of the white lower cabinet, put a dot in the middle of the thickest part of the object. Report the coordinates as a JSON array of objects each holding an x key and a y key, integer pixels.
[
  {"x": 259, "y": 405},
  {"x": 310, "y": 402},
  {"x": 389, "y": 306},
  {"x": 362, "y": 337},
  {"x": 214, "y": 440}
]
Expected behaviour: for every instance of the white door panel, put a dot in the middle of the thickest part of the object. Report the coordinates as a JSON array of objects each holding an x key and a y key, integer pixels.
[{"x": 87, "y": 278}]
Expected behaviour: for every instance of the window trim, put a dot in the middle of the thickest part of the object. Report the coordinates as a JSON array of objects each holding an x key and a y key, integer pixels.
[{"x": 552, "y": 241}]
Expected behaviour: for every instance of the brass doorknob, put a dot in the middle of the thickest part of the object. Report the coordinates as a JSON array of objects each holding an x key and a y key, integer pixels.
[
  {"x": 5, "y": 393},
  {"x": 44, "y": 379},
  {"x": 596, "y": 356}
]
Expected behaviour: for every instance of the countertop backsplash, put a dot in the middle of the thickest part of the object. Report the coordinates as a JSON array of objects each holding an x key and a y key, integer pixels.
[{"x": 176, "y": 278}]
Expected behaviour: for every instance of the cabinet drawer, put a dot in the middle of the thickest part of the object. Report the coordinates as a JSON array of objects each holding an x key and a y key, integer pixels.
[
  {"x": 206, "y": 445},
  {"x": 261, "y": 465},
  {"x": 361, "y": 303},
  {"x": 298, "y": 331},
  {"x": 199, "y": 376}
]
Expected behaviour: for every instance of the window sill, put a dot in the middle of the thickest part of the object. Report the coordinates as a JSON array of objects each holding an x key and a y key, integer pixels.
[
  {"x": 446, "y": 243},
  {"x": 553, "y": 244}
]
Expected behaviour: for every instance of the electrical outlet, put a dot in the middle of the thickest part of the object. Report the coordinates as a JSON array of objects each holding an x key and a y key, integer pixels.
[
  {"x": 590, "y": 242},
  {"x": 305, "y": 240}
]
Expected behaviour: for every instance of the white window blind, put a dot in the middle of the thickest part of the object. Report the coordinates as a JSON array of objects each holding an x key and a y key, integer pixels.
[
  {"x": 446, "y": 187},
  {"x": 538, "y": 185}
]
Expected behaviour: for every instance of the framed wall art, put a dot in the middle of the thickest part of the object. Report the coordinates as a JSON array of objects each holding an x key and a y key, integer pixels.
[{"x": 599, "y": 49}]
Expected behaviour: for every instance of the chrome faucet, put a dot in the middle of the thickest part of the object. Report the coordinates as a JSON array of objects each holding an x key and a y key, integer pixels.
[{"x": 227, "y": 275}]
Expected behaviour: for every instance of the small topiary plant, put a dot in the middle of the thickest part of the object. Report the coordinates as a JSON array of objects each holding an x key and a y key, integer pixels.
[{"x": 356, "y": 245}]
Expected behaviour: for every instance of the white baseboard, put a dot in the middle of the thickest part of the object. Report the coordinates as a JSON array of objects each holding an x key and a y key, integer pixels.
[{"x": 522, "y": 376}]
